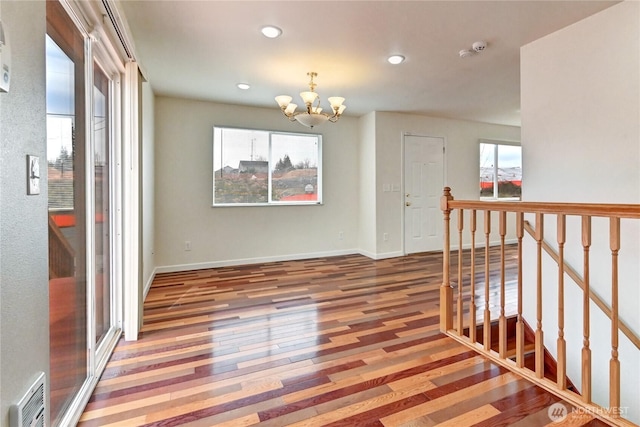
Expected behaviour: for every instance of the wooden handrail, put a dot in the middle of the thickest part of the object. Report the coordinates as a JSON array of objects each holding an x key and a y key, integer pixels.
[
  {"x": 591, "y": 209},
  {"x": 556, "y": 382},
  {"x": 571, "y": 272}
]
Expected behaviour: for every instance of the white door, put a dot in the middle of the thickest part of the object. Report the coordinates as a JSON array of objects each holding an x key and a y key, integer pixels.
[{"x": 423, "y": 183}]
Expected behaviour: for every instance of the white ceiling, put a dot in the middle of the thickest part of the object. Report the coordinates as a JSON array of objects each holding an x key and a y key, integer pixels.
[{"x": 202, "y": 49}]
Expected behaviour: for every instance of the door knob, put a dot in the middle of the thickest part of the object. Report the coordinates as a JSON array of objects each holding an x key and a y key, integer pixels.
[{"x": 407, "y": 203}]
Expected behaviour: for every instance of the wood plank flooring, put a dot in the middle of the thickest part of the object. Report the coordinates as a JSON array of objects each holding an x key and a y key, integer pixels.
[{"x": 340, "y": 341}]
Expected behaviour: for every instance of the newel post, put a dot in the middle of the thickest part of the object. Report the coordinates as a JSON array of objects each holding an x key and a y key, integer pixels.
[{"x": 446, "y": 291}]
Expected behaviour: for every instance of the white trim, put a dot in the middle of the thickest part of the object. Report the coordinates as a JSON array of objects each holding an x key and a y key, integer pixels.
[
  {"x": 247, "y": 261},
  {"x": 366, "y": 253},
  {"x": 499, "y": 142},
  {"x": 130, "y": 205},
  {"x": 383, "y": 255},
  {"x": 90, "y": 212},
  {"x": 147, "y": 286}
]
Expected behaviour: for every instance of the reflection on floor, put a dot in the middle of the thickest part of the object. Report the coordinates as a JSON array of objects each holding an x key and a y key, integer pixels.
[{"x": 341, "y": 341}]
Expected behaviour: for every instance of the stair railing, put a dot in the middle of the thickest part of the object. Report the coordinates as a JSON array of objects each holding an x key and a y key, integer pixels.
[
  {"x": 578, "y": 280},
  {"x": 61, "y": 254},
  {"x": 455, "y": 315}
]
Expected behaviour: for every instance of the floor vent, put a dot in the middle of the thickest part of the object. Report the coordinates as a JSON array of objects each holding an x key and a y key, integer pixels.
[{"x": 29, "y": 411}]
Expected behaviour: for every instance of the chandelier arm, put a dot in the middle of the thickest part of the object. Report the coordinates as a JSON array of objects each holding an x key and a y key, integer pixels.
[
  {"x": 291, "y": 117},
  {"x": 311, "y": 117}
]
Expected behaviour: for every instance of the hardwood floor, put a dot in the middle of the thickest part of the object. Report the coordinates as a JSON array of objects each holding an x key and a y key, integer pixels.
[{"x": 341, "y": 341}]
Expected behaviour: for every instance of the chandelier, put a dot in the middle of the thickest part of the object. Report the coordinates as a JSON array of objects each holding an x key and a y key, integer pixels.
[{"x": 312, "y": 115}]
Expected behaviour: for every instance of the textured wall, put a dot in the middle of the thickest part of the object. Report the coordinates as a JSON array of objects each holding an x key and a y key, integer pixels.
[{"x": 24, "y": 308}]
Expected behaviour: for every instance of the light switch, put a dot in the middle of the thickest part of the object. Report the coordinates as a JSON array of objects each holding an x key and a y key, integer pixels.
[{"x": 33, "y": 175}]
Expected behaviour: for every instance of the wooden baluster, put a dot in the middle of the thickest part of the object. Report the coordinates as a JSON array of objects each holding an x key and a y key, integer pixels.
[
  {"x": 614, "y": 363},
  {"x": 460, "y": 302},
  {"x": 472, "y": 306},
  {"x": 520, "y": 323},
  {"x": 446, "y": 292},
  {"x": 502, "y": 322},
  {"x": 487, "y": 313},
  {"x": 539, "y": 339},
  {"x": 561, "y": 343},
  {"x": 586, "y": 351}
]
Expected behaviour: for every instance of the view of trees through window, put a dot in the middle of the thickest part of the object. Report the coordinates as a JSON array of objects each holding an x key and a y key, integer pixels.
[
  {"x": 263, "y": 167},
  {"x": 500, "y": 170}
]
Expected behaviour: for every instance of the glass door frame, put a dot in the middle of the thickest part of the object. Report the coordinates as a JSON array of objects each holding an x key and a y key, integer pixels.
[{"x": 98, "y": 51}]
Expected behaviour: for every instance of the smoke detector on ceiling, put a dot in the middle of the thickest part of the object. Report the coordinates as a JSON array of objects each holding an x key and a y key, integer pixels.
[{"x": 479, "y": 46}]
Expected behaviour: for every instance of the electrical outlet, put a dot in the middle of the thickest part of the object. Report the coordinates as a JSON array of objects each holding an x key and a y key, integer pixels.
[
  {"x": 340, "y": 235},
  {"x": 385, "y": 236},
  {"x": 187, "y": 245}
]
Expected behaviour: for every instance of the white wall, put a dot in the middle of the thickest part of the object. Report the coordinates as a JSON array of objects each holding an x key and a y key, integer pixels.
[
  {"x": 148, "y": 187},
  {"x": 24, "y": 280},
  {"x": 367, "y": 186},
  {"x": 462, "y": 168},
  {"x": 236, "y": 235},
  {"x": 581, "y": 143}
]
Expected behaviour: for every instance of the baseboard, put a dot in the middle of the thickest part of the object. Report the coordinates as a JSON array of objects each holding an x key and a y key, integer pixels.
[
  {"x": 384, "y": 255},
  {"x": 290, "y": 257},
  {"x": 246, "y": 261},
  {"x": 147, "y": 286}
]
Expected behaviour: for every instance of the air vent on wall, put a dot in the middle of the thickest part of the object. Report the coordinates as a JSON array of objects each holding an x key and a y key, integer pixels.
[{"x": 29, "y": 411}]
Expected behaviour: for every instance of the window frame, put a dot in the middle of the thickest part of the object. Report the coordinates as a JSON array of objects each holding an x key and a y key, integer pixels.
[
  {"x": 496, "y": 166},
  {"x": 271, "y": 167}
]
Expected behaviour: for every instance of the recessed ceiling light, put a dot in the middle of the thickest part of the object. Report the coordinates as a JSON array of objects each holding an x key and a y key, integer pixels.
[
  {"x": 271, "y": 31},
  {"x": 396, "y": 59},
  {"x": 243, "y": 86}
]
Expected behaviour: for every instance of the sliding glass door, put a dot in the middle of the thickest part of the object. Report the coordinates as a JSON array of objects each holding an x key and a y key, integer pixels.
[
  {"x": 66, "y": 145},
  {"x": 80, "y": 147},
  {"x": 102, "y": 204}
]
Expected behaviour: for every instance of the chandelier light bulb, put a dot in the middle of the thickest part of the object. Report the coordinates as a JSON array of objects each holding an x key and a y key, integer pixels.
[
  {"x": 291, "y": 108},
  {"x": 336, "y": 102},
  {"x": 283, "y": 100},
  {"x": 308, "y": 97},
  {"x": 312, "y": 115}
]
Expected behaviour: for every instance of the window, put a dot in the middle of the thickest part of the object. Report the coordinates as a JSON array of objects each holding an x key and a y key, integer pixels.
[
  {"x": 256, "y": 167},
  {"x": 500, "y": 170}
]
